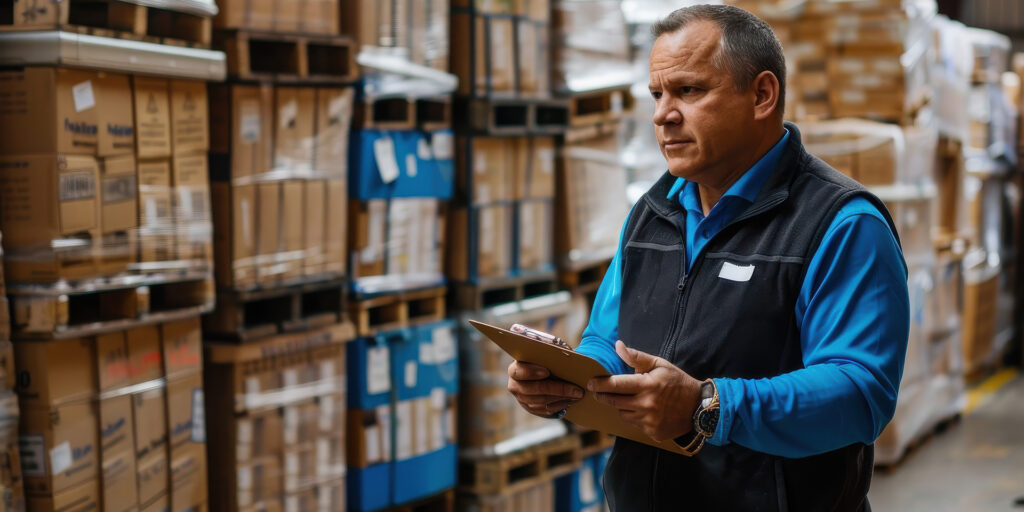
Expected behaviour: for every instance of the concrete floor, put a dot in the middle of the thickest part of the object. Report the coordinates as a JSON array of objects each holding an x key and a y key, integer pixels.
[{"x": 977, "y": 464}]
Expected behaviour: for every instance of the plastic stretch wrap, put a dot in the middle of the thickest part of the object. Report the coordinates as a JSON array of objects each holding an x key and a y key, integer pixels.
[
  {"x": 294, "y": 16},
  {"x": 398, "y": 244},
  {"x": 280, "y": 437},
  {"x": 592, "y": 200},
  {"x": 117, "y": 418},
  {"x": 493, "y": 422},
  {"x": 591, "y": 46},
  {"x": 280, "y": 182},
  {"x": 102, "y": 175}
]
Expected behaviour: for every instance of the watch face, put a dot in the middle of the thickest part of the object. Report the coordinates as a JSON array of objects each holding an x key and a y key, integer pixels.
[{"x": 708, "y": 420}]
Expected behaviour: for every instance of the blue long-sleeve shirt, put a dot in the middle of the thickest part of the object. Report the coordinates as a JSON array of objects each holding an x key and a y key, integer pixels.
[{"x": 854, "y": 316}]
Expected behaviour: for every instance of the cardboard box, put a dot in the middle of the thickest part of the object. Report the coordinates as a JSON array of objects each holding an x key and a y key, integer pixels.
[
  {"x": 182, "y": 347},
  {"x": 116, "y": 119},
  {"x": 268, "y": 231},
  {"x": 486, "y": 74},
  {"x": 185, "y": 413},
  {"x": 533, "y": 168},
  {"x": 492, "y": 243},
  {"x": 336, "y": 227},
  {"x": 144, "y": 353},
  {"x": 369, "y": 219},
  {"x": 188, "y": 479},
  {"x": 189, "y": 117},
  {"x": 48, "y": 198},
  {"x": 292, "y": 228},
  {"x": 241, "y": 129},
  {"x": 589, "y": 203},
  {"x": 152, "y": 117},
  {"x": 259, "y": 435},
  {"x": 55, "y": 372},
  {"x": 117, "y": 455},
  {"x": 153, "y": 480},
  {"x": 294, "y": 111},
  {"x": 318, "y": 17},
  {"x": 7, "y": 372},
  {"x": 118, "y": 214},
  {"x": 532, "y": 66},
  {"x": 156, "y": 213},
  {"x": 483, "y": 169},
  {"x": 48, "y": 110},
  {"x": 314, "y": 220},
  {"x": 258, "y": 481},
  {"x": 234, "y": 234},
  {"x": 251, "y": 14},
  {"x": 536, "y": 10},
  {"x": 58, "y": 447},
  {"x": 113, "y": 366},
  {"x": 192, "y": 207},
  {"x": 536, "y": 235},
  {"x": 81, "y": 498},
  {"x": 159, "y": 504},
  {"x": 375, "y": 23},
  {"x": 333, "y": 119}
]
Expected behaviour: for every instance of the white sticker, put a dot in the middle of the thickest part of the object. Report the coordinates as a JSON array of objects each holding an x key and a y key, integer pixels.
[
  {"x": 252, "y": 387},
  {"x": 410, "y": 373},
  {"x": 616, "y": 102},
  {"x": 438, "y": 398},
  {"x": 198, "y": 416},
  {"x": 410, "y": 165},
  {"x": 249, "y": 126},
  {"x": 82, "y": 94},
  {"x": 373, "y": 448},
  {"x": 480, "y": 162},
  {"x": 32, "y": 450},
  {"x": 387, "y": 162},
  {"x": 378, "y": 370},
  {"x": 736, "y": 273},
  {"x": 243, "y": 445},
  {"x": 288, "y": 113},
  {"x": 443, "y": 146},
  {"x": 547, "y": 160},
  {"x": 60, "y": 457},
  {"x": 427, "y": 356},
  {"x": 326, "y": 413},
  {"x": 245, "y": 477},
  {"x": 444, "y": 345},
  {"x": 423, "y": 150},
  {"x": 403, "y": 430},
  {"x": 588, "y": 492},
  {"x": 291, "y": 504}
]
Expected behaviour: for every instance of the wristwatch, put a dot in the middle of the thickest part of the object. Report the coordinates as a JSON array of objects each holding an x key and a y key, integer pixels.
[{"x": 705, "y": 418}]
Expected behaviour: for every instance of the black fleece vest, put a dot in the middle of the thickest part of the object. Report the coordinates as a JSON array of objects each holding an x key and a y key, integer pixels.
[{"x": 711, "y": 326}]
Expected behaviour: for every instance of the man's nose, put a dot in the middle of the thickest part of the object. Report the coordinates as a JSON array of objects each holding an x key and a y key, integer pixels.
[{"x": 666, "y": 113}]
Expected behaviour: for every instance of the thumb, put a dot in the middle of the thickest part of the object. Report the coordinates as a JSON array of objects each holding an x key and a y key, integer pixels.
[{"x": 642, "y": 362}]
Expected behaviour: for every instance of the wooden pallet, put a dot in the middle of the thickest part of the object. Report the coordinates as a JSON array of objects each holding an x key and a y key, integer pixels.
[
  {"x": 253, "y": 314},
  {"x": 108, "y": 304},
  {"x": 404, "y": 113},
  {"x": 510, "y": 473},
  {"x": 392, "y": 311},
  {"x": 593, "y": 442},
  {"x": 110, "y": 18},
  {"x": 444, "y": 502},
  {"x": 584, "y": 278},
  {"x": 491, "y": 292},
  {"x": 599, "y": 106},
  {"x": 512, "y": 116},
  {"x": 288, "y": 58},
  {"x": 584, "y": 133}
]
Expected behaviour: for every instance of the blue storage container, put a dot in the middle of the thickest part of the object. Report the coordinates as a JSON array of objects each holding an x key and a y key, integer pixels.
[
  {"x": 580, "y": 490},
  {"x": 420, "y": 162},
  {"x": 369, "y": 489}
]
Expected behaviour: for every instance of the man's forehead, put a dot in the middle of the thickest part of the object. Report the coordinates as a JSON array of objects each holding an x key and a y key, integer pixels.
[{"x": 695, "y": 43}]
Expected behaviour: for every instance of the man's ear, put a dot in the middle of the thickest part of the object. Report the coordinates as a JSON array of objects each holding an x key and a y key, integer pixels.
[{"x": 766, "y": 95}]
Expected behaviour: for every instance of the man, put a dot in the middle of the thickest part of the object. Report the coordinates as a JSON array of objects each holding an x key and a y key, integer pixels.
[{"x": 760, "y": 297}]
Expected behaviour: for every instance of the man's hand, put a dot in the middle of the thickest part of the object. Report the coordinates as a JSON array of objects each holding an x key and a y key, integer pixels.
[
  {"x": 537, "y": 392},
  {"x": 659, "y": 398}
]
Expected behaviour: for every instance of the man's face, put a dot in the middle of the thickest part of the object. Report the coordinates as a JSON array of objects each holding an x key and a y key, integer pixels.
[{"x": 701, "y": 120}]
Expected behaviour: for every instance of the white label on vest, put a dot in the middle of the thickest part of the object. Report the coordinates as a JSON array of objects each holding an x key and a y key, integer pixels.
[{"x": 736, "y": 272}]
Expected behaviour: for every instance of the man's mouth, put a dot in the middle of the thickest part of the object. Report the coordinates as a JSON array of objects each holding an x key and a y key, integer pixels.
[{"x": 673, "y": 144}]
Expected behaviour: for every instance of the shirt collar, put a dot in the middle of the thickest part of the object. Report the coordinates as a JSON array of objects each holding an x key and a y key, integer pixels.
[{"x": 747, "y": 187}]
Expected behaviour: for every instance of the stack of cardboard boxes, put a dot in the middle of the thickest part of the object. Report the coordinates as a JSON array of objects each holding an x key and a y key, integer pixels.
[
  {"x": 115, "y": 420},
  {"x": 279, "y": 183},
  {"x": 402, "y": 416},
  {"x": 302, "y": 16},
  {"x": 102, "y": 173},
  {"x": 414, "y": 30},
  {"x": 278, "y": 422},
  {"x": 12, "y": 492}
]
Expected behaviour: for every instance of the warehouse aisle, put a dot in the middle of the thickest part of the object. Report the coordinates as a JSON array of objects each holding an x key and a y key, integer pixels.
[{"x": 975, "y": 465}]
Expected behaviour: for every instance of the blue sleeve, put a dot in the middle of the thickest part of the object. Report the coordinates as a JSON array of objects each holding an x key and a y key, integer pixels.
[
  {"x": 854, "y": 316},
  {"x": 603, "y": 329}
]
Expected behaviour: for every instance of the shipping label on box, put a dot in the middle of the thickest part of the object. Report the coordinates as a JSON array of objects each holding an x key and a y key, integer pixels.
[
  {"x": 58, "y": 447},
  {"x": 48, "y": 110},
  {"x": 115, "y": 116},
  {"x": 189, "y": 117},
  {"x": 55, "y": 372},
  {"x": 293, "y": 128},
  {"x": 152, "y": 117},
  {"x": 118, "y": 194}
]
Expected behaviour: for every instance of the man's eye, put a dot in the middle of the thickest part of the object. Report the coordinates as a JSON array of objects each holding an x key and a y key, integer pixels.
[
  {"x": 688, "y": 89},
  {"x": 656, "y": 94}
]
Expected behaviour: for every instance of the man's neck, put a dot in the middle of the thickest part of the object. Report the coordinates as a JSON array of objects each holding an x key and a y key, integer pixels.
[{"x": 711, "y": 191}]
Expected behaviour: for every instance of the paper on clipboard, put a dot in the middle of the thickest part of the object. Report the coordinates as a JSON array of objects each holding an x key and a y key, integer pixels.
[{"x": 577, "y": 369}]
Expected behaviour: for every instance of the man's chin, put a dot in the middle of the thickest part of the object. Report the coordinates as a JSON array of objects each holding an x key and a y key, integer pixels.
[{"x": 680, "y": 171}]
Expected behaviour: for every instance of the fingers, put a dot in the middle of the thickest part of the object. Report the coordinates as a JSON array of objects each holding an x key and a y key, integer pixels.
[
  {"x": 620, "y": 402},
  {"x": 526, "y": 371},
  {"x": 547, "y": 387},
  {"x": 639, "y": 361},
  {"x": 620, "y": 384},
  {"x": 547, "y": 409}
]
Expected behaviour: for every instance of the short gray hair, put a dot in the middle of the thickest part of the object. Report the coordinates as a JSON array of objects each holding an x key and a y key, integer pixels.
[{"x": 748, "y": 44}]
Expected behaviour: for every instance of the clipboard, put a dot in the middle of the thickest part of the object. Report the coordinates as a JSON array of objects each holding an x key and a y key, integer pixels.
[{"x": 577, "y": 369}]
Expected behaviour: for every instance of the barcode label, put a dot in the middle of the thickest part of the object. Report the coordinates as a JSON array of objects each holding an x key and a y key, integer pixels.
[
  {"x": 116, "y": 190},
  {"x": 32, "y": 450},
  {"x": 75, "y": 186}
]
